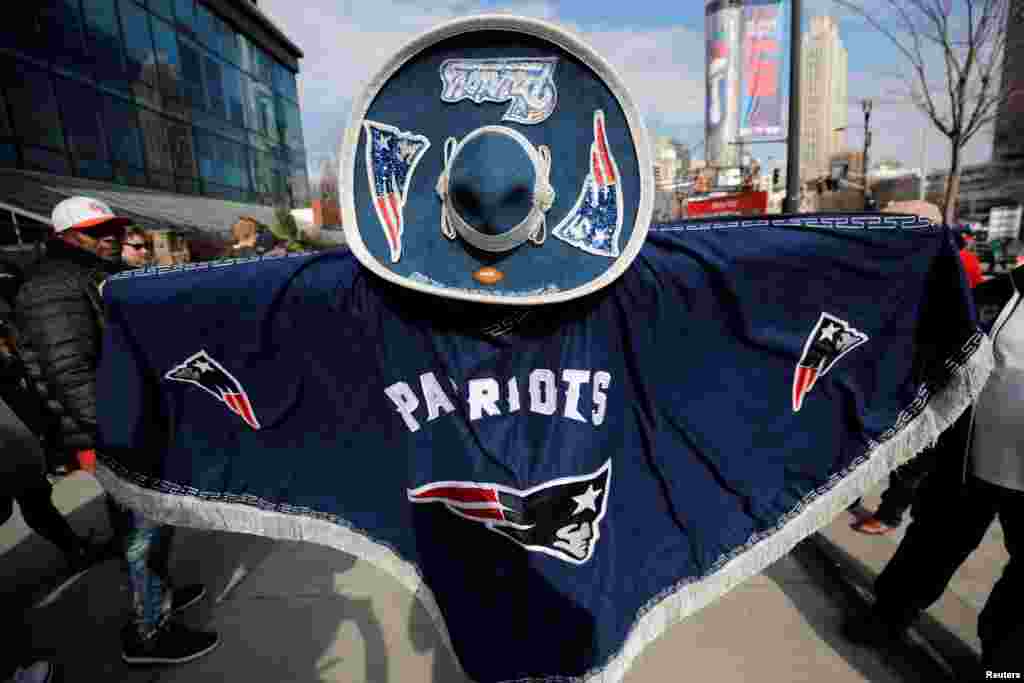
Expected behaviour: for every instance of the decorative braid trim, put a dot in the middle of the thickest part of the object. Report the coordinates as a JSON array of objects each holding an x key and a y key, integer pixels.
[{"x": 939, "y": 402}]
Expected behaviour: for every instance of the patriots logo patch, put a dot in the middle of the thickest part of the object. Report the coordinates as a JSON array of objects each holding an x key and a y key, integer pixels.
[
  {"x": 560, "y": 518},
  {"x": 595, "y": 221},
  {"x": 830, "y": 340},
  {"x": 391, "y": 159},
  {"x": 210, "y": 376}
]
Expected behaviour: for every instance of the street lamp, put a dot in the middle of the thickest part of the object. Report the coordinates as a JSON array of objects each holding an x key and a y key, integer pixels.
[{"x": 866, "y": 106}]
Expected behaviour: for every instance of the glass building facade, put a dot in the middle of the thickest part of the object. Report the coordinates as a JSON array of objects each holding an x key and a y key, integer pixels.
[{"x": 163, "y": 94}]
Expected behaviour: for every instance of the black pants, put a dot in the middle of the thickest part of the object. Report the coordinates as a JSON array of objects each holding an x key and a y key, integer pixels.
[
  {"x": 949, "y": 521},
  {"x": 904, "y": 482},
  {"x": 34, "y": 496}
]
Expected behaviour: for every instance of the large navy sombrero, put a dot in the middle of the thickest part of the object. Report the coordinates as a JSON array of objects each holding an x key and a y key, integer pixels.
[{"x": 497, "y": 159}]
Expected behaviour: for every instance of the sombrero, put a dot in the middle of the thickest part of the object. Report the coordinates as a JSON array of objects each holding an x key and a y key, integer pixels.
[{"x": 497, "y": 159}]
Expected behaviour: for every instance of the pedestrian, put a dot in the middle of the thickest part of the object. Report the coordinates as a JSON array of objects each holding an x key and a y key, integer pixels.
[
  {"x": 60, "y": 312},
  {"x": 245, "y": 232},
  {"x": 135, "y": 250},
  {"x": 979, "y": 476}
]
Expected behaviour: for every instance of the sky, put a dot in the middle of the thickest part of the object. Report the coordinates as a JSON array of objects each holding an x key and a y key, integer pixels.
[{"x": 657, "y": 46}]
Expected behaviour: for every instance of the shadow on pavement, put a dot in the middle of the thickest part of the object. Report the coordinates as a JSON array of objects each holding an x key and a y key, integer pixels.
[
  {"x": 901, "y": 661},
  {"x": 285, "y": 620}
]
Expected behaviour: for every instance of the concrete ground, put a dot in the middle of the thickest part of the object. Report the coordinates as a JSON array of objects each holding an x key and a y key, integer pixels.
[{"x": 298, "y": 612}]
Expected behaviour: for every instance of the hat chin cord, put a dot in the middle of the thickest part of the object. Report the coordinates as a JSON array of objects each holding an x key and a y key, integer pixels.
[{"x": 533, "y": 228}]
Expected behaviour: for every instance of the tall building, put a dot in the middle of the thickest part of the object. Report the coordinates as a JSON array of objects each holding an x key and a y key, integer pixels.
[
  {"x": 722, "y": 30},
  {"x": 195, "y": 99},
  {"x": 823, "y": 106}
]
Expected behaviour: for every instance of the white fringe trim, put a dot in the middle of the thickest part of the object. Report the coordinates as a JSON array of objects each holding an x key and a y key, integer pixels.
[{"x": 917, "y": 428}]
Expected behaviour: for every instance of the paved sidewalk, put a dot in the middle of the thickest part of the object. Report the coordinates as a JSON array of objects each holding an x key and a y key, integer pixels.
[
  {"x": 299, "y": 612},
  {"x": 951, "y": 625}
]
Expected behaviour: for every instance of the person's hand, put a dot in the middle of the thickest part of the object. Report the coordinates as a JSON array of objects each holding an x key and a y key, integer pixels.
[{"x": 87, "y": 460}]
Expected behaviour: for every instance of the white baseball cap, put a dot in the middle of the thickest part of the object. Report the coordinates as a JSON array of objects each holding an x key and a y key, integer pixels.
[{"x": 82, "y": 213}]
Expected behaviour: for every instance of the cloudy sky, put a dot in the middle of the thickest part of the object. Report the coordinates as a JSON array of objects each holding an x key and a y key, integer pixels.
[{"x": 656, "y": 45}]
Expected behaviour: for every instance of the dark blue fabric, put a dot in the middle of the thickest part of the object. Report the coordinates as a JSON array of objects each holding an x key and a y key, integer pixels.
[
  {"x": 493, "y": 198},
  {"x": 411, "y": 102},
  {"x": 700, "y": 339}
]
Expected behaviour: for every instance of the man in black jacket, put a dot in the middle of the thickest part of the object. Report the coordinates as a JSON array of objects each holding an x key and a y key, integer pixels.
[{"x": 60, "y": 315}]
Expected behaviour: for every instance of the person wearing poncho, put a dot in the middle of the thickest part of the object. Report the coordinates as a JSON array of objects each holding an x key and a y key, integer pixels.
[{"x": 562, "y": 427}]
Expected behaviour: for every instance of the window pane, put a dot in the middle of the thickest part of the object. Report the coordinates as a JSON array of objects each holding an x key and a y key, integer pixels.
[
  {"x": 154, "y": 140},
  {"x": 214, "y": 86},
  {"x": 225, "y": 37},
  {"x": 204, "y": 26},
  {"x": 8, "y": 154},
  {"x": 234, "y": 94},
  {"x": 182, "y": 149},
  {"x": 299, "y": 180},
  {"x": 94, "y": 169},
  {"x": 246, "y": 57},
  {"x": 130, "y": 175},
  {"x": 105, "y": 45},
  {"x": 186, "y": 185},
  {"x": 289, "y": 120},
  {"x": 139, "y": 50},
  {"x": 229, "y": 44},
  {"x": 185, "y": 13},
  {"x": 161, "y": 181},
  {"x": 5, "y": 123},
  {"x": 83, "y": 126},
  {"x": 261, "y": 110},
  {"x": 33, "y": 105},
  {"x": 191, "y": 74},
  {"x": 122, "y": 132},
  {"x": 263, "y": 65},
  {"x": 61, "y": 21},
  {"x": 46, "y": 160},
  {"x": 171, "y": 89},
  {"x": 162, "y": 8}
]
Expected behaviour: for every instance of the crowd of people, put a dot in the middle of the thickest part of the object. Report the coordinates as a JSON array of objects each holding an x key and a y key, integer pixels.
[{"x": 51, "y": 326}]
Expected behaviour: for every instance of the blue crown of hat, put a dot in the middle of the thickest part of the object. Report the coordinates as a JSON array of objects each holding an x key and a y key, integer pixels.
[{"x": 477, "y": 143}]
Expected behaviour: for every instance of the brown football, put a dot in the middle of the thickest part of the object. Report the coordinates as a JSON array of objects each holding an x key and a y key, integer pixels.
[{"x": 488, "y": 275}]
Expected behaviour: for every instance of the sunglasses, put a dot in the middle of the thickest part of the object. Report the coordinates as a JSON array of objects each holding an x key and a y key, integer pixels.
[{"x": 136, "y": 245}]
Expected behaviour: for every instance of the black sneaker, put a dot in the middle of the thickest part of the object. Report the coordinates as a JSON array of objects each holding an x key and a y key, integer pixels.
[
  {"x": 171, "y": 644},
  {"x": 184, "y": 597}
]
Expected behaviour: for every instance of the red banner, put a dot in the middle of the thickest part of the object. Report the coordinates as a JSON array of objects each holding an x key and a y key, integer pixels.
[{"x": 746, "y": 204}]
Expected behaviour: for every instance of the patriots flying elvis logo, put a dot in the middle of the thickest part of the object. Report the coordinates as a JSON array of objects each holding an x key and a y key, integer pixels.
[
  {"x": 391, "y": 158},
  {"x": 210, "y": 376},
  {"x": 560, "y": 518},
  {"x": 830, "y": 340},
  {"x": 594, "y": 223}
]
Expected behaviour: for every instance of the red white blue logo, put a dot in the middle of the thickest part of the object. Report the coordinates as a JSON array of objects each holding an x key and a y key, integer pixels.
[
  {"x": 595, "y": 222},
  {"x": 560, "y": 518},
  {"x": 831, "y": 339},
  {"x": 391, "y": 158},
  {"x": 204, "y": 372}
]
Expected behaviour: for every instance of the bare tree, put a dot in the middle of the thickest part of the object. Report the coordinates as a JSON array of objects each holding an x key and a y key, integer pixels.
[{"x": 956, "y": 52}]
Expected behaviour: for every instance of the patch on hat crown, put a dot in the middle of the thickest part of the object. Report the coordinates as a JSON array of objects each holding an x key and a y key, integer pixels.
[
  {"x": 391, "y": 159},
  {"x": 529, "y": 84},
  {"x": 532, "y": 226},
  {"x": 595, "y": 222}
]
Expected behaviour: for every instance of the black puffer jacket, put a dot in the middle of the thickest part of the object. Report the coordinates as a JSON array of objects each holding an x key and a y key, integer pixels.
[{"x": 60, "y": 319}]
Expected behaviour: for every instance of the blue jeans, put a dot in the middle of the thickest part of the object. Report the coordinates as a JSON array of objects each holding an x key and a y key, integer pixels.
[{"x": 146, "y": 547}]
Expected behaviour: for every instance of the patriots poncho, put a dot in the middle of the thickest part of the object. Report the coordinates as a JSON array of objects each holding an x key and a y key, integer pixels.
[{"x": 560, "y": 483}]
